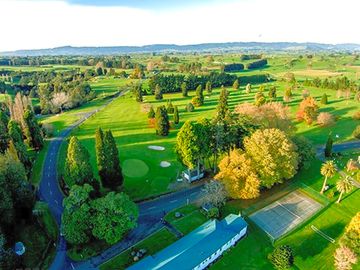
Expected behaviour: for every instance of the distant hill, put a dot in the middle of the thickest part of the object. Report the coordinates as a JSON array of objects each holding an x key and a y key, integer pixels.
[{"x": 205, "y": 47}]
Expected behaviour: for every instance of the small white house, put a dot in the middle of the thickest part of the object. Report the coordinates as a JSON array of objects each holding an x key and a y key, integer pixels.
[
  {"x": 193, "y": 175},
  {"x": 199, "y": 248}
]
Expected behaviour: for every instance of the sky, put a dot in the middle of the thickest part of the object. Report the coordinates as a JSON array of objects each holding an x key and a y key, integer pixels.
[{"x": 35, "y": 24}]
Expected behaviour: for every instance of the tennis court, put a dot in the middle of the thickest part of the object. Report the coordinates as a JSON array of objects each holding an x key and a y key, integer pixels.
[{"x": 285, "y": 214}]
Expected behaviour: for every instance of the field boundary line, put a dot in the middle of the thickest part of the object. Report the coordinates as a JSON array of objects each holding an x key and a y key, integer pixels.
[{"x": 332, "y": 240}]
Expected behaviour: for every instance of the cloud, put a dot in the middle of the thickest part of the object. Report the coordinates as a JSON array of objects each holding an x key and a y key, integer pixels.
[
  {"x": 46, "y": 24},
  {"x": 146, "y": 4}
]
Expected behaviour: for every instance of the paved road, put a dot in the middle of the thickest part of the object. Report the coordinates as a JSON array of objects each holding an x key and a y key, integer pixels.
[{"x": 338, "y": 148}]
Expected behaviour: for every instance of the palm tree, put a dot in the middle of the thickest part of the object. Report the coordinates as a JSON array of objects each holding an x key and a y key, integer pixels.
[
  {"x": 344, "y": 185},
  {"x": 327, "y": 170}
]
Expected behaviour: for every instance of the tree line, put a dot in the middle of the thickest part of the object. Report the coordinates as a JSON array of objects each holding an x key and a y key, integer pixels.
[
  {"x": 173, "y": 83},
  {"x": 257, "y": 64},
  {"x": 121, "y": 61},
  {"x": 340, "y": 83}
]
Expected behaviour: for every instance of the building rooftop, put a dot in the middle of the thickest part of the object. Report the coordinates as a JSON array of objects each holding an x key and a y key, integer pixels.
[{"x": 195, "y": 247}]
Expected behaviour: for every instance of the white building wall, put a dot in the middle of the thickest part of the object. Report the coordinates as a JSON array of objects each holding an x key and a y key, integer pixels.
[{"x": 220, "y": 251}]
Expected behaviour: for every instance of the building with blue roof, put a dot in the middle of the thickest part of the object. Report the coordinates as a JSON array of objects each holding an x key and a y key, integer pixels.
[{"x": 199, "y": 248}]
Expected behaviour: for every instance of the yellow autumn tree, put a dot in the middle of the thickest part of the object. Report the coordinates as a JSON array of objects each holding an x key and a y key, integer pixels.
[
  {"x": 238, "y": 176},
  {"x": 273, "y": 154}
]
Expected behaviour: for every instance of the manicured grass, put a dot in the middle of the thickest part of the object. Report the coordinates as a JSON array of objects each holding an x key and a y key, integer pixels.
[
  {"x": 192, "y": 217},
  {"x": 152, "y": 244},
  {"x": 190, "y": 222},
  {"x": 133, "y": 134},
  {"x": 184, "y": 210}
]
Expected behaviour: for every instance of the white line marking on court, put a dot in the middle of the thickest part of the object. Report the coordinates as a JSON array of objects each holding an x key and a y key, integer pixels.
[
  {"x": 56, "y": 201},
  {"x": 48, "y": 184},
  {"x": 194, "y": 193},
  {"x": 287, "y": 209},
  {"x": 173, "y": 201},
  {"x": 152, "y": 207}
]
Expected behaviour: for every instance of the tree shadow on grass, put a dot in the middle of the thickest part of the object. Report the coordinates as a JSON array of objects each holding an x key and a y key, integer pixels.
[{"x": 313, "y": 243}]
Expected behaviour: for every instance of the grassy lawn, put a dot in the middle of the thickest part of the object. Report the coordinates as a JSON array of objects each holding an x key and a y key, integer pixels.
[
  {"x": 184, "y": 211},
  {"x": 133, "y": 134},
  {"x": 152, "y": 244},
  {"x": 190, "y": 222}
]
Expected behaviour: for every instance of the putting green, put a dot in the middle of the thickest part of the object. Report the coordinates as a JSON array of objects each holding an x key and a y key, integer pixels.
[{"x": 134, "y": 168}]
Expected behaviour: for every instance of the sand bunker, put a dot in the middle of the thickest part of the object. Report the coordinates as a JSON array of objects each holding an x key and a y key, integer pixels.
[
  {"x": 156, "y": 147},
  {"x": 165, "y": 164}
]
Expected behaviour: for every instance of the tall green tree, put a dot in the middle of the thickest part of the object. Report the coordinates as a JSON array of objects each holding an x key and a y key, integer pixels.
[
  {"x": 32, "y": 130},
  {"x": 101, "y": 157},
  {"x": 222, "y": 110},
  {"x": 208, "y": 87},
  {"x": 198, "y": 100},
  {"x": 158, "y": 92},
  {"x": 138, "y": 93},
  {"x": 176, "y": 115},
  {"x": 4, "y": 138},
  {"x": 114, "y": 215},
  {"x": 16, "y": 136},
  {"x": 162, "y": 125},
  {"x": 184, "y": 89},
  {"x": 328, "y": 146},
  {"x": 192, "y": 143},
  {"x": 151, "y": 113},
  {"x": 17, "y": 197},
  {"x": 4, "y": 118},
  {"x": 76, "y": 218},
  {"x": 78, "y": 170},
  {"x": 112, "y": 177}
]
